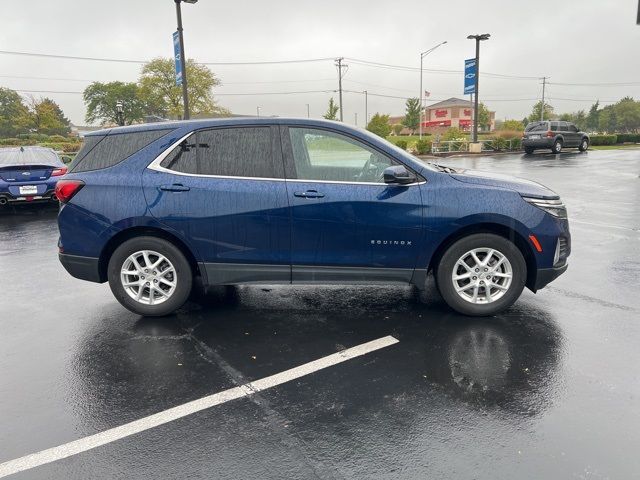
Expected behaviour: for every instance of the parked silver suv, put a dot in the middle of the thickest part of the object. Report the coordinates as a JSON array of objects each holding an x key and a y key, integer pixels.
[{"x": 554, "y": 135}]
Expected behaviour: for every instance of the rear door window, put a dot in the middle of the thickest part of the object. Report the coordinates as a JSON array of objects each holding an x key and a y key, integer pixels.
[
  {"x": 554, "y": 126},
  {"x": 227, "y": 152},
  {"x": 563, "y": 127},
  {"x": 109, "y": 150}
]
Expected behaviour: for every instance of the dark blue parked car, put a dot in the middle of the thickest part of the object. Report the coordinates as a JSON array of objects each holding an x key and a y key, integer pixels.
[
  {"x": 29, "y": 174},
  {"x": 291, "y": 201}
]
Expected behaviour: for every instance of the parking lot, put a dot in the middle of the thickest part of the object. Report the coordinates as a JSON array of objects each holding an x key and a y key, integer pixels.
[{"x": 550, "y": 389}]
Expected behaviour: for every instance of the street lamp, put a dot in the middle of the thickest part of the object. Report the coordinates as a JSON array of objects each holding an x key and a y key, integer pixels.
[
  {"x": 307, "y": 110},
  {"x": 258, "y": 110},
  {"x": 422, "y": 55},
  {"x": 478, "y": 39},
  {"x": 183, "y": 61},
  {"x": 120, "y": 113}
]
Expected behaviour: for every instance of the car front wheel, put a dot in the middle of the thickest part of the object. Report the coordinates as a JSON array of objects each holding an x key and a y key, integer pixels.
[
  {"x": 149, "y": 276},
  {"x": 557, "y": 146},
  {"x": 481, "y": 274}
]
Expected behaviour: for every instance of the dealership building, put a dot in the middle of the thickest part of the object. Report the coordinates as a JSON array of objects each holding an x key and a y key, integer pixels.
[{"x": 453, "y": 112}]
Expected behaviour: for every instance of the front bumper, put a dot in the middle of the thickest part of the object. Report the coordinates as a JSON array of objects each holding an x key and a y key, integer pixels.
[
  {"x": 548, "y": 275},
  {"x": 84, "y": 268}
]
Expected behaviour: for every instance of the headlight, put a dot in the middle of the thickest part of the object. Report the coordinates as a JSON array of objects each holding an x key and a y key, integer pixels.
[{"x": 553, "y": 207}]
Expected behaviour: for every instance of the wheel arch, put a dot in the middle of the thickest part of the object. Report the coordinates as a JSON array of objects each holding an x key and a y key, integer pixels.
[
  {"x": 496, "y": 229},
  {"x": 139, "y": 231}
]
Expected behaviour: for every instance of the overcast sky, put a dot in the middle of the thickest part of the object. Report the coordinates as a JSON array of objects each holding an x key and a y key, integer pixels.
[{"x": 571, "y": 41}]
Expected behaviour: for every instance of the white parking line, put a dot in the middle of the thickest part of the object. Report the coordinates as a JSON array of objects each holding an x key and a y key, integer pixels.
[{"x": 87, "y": 443}]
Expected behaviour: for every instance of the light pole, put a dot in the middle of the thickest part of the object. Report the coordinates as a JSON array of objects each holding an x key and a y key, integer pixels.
[
  {"x": 478, "y": 39},
  {"x": 366, "y": 108},
  {"x": 120, "y": 112},
  {"x": 422, "y": 55},
  {"x": 307, "y": 110},
  {"x": 258, "y": 110},
  {"x": 183, "y": 61}
]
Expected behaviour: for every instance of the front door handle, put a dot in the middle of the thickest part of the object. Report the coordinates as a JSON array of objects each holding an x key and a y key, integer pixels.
[
  {"x": 174, "y": 187},
  {"x": 309, "y": 194}
]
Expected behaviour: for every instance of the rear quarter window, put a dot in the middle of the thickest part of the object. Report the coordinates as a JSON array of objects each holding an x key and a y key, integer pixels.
[
  {"x": 106, "y": 151},
  {"x": 537, "y": 127}
]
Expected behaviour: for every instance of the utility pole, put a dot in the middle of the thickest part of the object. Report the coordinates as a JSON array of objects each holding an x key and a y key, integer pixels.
[
  {"x": 340, "y": 75},
  {"x": 258, "y": 111},
  {"x": 366, "y": 108},
  {"x": 544, "y": 84},
  {"x": 356, "y": 114},
  {"x": 307, "y": 110}
]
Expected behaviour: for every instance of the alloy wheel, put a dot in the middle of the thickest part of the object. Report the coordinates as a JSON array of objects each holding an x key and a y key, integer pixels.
[
  {"x": 148, "y": 277},
  {"x": 482, "y": 275}
]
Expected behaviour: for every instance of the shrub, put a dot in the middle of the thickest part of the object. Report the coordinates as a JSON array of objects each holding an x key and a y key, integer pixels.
[
  {"x": 603, "y": 139},
  {"x": 509, "y": 134},
  {"x": 628, "y": 137},
  {"x": 402, "y": 144},
  {"x": 516, "y": 143},
  {"x": 13, "y": 142},
  {"x": 60, "y": 139},
  {"x": 397, "y": 128},
  {"x": 423, "y": 147},
  {"x": 453, "y": 133}
]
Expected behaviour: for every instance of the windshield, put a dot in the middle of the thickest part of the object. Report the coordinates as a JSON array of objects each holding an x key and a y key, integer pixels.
[{"x": 23, "y": 156}]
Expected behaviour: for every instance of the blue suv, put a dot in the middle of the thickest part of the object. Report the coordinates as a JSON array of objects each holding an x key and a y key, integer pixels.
[{"x": 148, "y": 208}]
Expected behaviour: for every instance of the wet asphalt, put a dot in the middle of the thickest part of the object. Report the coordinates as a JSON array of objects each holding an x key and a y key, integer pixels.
[{"x": 549, "y": 389}]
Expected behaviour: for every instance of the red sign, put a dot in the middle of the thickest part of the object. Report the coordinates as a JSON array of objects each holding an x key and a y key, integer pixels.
[
  {"x": 441, "y": 113},
  {"x": 467, "y": 112},
  {"x": 438, "y": 123}
]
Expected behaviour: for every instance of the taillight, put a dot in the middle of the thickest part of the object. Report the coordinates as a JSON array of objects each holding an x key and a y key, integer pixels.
[
  {"x": 59, "y": 171},
  {"x": 66, "y": 189},
  {"x": 550, "y": 133}
]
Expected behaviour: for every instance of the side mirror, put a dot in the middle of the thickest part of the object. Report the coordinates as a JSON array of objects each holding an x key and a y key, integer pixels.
[{"x": 398, "y": 174}]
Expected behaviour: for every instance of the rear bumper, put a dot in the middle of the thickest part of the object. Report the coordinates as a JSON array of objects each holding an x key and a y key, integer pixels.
[
  {"x": 7, "y": 197},
  {"x": 545, "y": 142},
  {"x": 84, "y": 268},
  {"x": 548, "y": 275}
]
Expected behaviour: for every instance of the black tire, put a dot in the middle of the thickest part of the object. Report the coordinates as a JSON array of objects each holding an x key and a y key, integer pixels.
[
  {"x": 447, "y": 267},
  {"x": 528, "y": 150},
  {"x": 584, "y": 145},
  {"x": 183, "y": 277},
  {"x": 557, "y": 146}
]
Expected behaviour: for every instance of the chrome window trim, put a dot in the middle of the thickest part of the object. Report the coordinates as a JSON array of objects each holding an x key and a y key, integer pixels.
[{"x": 155, "y": 165}]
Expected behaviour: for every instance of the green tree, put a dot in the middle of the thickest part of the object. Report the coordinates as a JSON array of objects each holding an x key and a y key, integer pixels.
[
  {"x": 379, "y": 125},
  {"x": 332, "y": 110},
  {"x": 627, "y": 115},
  {"x": 592, "y": 120},
  {"x": 101, "y": 98},
  {"x": 397, "y": 128},
  {"x": 14, "y": 115},
  {"x": 535, "y": 112},
  {"x": 163, "y": 97},
  {"x": 484, "y": 117},
  {"x": 511, "y": 125},
  {"x": 47, "y": 117},
  {"x": 411, "y": 118},
  {"x": 607, "y": 120}
]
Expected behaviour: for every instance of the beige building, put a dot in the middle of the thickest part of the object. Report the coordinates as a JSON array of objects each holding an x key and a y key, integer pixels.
[{"x": 453, "y": 112}]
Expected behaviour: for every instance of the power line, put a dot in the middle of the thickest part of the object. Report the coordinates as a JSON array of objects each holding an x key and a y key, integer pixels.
[
  {"x": 128, "y": 60},
  {"x": 622, "y": 84}
]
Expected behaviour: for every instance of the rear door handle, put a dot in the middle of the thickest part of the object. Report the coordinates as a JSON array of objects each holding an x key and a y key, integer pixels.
[
  {"x": 174, "y": 187},
  {"x": 309, "y": 194}
]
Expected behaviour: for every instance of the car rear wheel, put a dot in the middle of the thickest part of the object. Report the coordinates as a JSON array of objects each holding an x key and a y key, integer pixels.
[
  {"x": 557, "y": 146},
  {"x": 528, "y": 150},
  {"x": 481, "y": 274},
  {"x": 149, "y": 276},
  {"x": 584, "y": 144}
]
